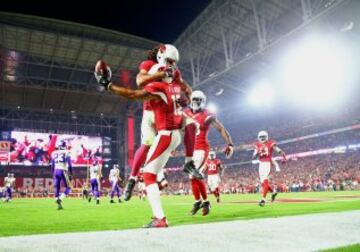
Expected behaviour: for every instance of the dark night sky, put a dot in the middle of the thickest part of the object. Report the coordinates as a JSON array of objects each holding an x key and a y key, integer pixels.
[{"x": 158, "y": 20}]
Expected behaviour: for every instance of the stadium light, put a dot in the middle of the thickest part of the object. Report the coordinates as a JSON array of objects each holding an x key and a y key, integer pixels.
[
  {"x": 212, "y": 107},
  {"x": 314, "y": 73},
  {"x": 261, "y": 95}
]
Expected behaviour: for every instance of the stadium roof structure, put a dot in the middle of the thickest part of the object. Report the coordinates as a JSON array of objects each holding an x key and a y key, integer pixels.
[
  {"x": 232, "y": 41},
  {"x": 47, "y": 65}
]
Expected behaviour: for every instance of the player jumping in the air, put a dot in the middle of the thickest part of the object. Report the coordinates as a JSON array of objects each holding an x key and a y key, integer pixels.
[
  {"x": 205, "y": 119},
  {"x": 164, "y": 55},
  {"x": 264, "y": 151},
  {"x": 115, "y": 180},
  {"x": 214, "y": 170},
  {"x": 9, "y": 182},
  {"x": 95, "y": 176},
  {"x": 164, "y": 97},
  {"x": 62, "y": 170}
]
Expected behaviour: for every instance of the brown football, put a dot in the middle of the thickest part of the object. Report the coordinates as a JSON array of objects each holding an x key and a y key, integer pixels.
[{"x": 101, "y": 67}]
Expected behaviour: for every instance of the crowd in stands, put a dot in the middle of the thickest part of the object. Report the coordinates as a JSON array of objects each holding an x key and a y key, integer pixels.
[{"x": 329, "y": 172}]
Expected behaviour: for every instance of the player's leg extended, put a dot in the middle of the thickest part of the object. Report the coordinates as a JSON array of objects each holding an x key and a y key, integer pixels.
[
  {"x": 57, "y": 184},
  {"x": 112, "y": 193},
  {"x": 213, "y": 182},
  {"x": 159, "y": 154},
  {"x": 118, "y": 192},
  {"x": 264, "y": 171},
  {"x": 147, "y": 137},
  {"x": 97, "y": 191},
  {"x": 8, "y": 193},
  {"x": 93, "y": 183},
  {"x": 67, "y": 184},
  {"x": 199, "y": 158}
]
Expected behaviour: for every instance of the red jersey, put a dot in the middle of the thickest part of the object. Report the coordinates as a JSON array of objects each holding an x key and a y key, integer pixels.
[
  {"x": 146, "y": 65},
  {"x": 213, "y": 166},
  {"x": 167, "y": 110},
  {"x": 265, "y": 150},
  {"x": 204, "y": 118}
]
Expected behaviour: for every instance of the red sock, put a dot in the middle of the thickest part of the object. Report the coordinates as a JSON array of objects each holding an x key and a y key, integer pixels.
[
  {"x": 217, "y": 191},
  {"x": 202, "y": 188},
  {"x": 195, "y": 189},
  {"x": 139, "y": 159},
  {"x": 270, "y": 188},
  {"x": 189, "y": 139},
  {"x": 265, "y": 187}
]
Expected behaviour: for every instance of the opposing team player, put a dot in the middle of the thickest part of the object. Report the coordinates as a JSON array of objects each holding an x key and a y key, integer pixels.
[
  {"x": 205, "y": 119},
  {"x": 115, "y": 180},
  {"x": 264, "y": 151},
  {"x": 9, "y": 182},
  {"x": 62, "y": 170},
  {"x": 167, "y": 56},
  {"x": 164, "y": 99},
  {"x": 95, "y": 176},
  {"x": 214, "y": 170}
]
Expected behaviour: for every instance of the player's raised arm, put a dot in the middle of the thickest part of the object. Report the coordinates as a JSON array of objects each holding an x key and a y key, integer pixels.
[
  {"x": 103, "y": 77},
  {"x": 131, "y": 94},
  {"x": 229, "y": 150},
  {"x": 143, "y": 77}
]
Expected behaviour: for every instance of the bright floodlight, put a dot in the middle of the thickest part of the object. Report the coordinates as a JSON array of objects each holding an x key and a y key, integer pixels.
[
  {"x": 212, "y": 107},
  {"x": 314, "y": 72},
  {"x": 262, "y": 95}
]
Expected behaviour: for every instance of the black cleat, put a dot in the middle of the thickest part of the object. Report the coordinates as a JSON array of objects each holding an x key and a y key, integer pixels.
[
  {"x": 58, "y": 202},
  {"x": 112, "y": 201},
  {"x": 218, "y": 199},
  {"x": 119, "y": 201},
  {"x": 89, "y": 199},
  {"x": 205, "y": 208},
  {"x": 97, "y": 202},
  {"x": 273, "y": 196},
  {"x": 196, "y": 207},
  {"x": 190, "y": 169},
  {"x": 129, "y": 189},
  {"x": 262, "y": 203}
]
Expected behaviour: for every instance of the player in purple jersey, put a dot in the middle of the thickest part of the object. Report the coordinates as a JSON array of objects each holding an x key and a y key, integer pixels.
[
  {"x": 9, "y": 182},
  {"x": 62, "y": 171},
  {"x": 95, "y": 176},
  {"x": 114, "y": 179}
]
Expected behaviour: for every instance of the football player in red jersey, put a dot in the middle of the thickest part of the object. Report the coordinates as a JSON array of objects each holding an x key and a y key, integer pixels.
[
  {"x": 205, "y": 119},
  {"x": 166, "y": 55},
  {"x": 164, "y": 100},
  {"x": 264, "y": 151},
  {"x": 214, "y": 170}
]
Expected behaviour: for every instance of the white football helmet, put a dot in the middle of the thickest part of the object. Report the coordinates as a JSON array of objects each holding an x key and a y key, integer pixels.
[
  {"x": 263, "y": 136},
  {"x": 198, "y": 100},
  {"x": 167, "y": 52},
  {"x": 212, "y": 155}
]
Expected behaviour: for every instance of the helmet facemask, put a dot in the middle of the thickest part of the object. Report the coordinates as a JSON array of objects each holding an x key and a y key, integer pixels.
[
  {"x": 197, "y": 103},
  {"x": 263, "y": 136}
]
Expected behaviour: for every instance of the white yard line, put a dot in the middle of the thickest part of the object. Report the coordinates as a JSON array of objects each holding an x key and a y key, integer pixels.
[{"x": 295, "y": 233}]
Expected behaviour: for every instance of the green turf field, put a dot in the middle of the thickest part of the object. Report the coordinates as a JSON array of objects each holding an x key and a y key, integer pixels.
[
  {"x": 35, "y": 216},
  {"x": 351, "y": 248}
]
